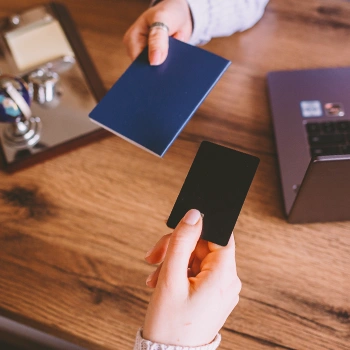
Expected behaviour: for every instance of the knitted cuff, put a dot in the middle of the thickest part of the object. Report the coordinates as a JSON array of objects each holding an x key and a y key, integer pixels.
[
  {"x": 143, "y": 344},
  {"x": 200, "y": 10}
]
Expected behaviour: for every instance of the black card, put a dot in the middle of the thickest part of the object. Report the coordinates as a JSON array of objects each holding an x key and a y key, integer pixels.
[{"x": 217, "y": 185}]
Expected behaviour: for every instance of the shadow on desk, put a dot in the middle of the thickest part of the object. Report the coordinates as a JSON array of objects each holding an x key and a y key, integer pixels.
[{"x": 15, "y": 336}]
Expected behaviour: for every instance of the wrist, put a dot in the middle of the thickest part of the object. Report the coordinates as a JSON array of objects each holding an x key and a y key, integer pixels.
[
  {"x": 177, "y": 337},
  {"x": 188, "y": 28}
]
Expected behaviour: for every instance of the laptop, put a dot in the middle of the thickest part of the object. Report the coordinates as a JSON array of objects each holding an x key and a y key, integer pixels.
[{"x": 311, "y": 119}]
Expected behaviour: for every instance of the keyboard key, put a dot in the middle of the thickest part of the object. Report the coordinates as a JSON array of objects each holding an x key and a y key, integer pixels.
[
  {"x": 316, "y": 152},
  {"x": 328, "y": 128},
  {"x": 326, "y": 139},
  {"x": 345, "y": 149},
  {"x": 313, "y": 127},
  {"x": 343, "y": 126},
  {"x": 324, "y": 151}
]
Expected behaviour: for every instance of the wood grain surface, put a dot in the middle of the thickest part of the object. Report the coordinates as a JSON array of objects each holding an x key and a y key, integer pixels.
[{"x": 74, "y": 230}]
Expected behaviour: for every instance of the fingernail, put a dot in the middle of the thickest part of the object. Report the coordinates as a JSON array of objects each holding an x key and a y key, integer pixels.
[
  {"x": 149, "y": 252},
  {"x": 192, "y": 217},
  {"x": 155, "y": 58},
  {"x": 149, "y": 278}
]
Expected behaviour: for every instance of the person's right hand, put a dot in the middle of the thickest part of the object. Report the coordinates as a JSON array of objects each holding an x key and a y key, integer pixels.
[
  {"x": 175, "y": 14},
  {"x": 196, "y": 286}
]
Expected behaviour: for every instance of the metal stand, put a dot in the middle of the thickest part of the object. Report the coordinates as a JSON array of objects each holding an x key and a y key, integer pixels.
[{"x": 23, "y": 133}]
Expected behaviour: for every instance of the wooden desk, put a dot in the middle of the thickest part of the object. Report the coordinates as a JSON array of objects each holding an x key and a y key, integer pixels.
[{"x": 75, "y": 229}]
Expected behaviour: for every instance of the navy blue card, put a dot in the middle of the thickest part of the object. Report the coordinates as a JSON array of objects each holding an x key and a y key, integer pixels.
[
  {"x": 150, "y": 105},
  {"x": 217, "y": 185}
]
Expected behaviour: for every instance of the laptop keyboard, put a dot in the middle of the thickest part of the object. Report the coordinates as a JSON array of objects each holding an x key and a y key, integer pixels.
[{"x": 329, "y": 138}]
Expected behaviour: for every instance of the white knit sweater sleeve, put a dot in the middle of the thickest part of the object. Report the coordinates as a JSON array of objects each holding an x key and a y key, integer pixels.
[
  {"x": 143, "y": 344},
  {"x": 215, "y": 18}
]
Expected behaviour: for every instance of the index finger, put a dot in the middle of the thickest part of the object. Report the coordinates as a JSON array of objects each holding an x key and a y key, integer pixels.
[{"x": 135, "y": 39}]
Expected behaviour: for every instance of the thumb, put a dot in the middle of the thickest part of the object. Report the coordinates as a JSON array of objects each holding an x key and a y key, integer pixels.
[
  {"x": 158, "y": 46},
  {"x": 182, "y": 243}
]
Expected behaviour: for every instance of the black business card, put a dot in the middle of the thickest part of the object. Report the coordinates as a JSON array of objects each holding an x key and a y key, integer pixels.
[{"x": 217, "y": 185}]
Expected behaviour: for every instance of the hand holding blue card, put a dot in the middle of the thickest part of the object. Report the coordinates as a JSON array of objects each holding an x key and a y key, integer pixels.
[{"x": 150, "y": 105}]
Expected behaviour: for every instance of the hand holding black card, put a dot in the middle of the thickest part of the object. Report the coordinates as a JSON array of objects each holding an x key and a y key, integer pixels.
[{"x": 217, "y": 185}]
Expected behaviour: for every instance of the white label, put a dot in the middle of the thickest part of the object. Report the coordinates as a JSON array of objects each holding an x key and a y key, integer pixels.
[{"x": 311, "y": 109}]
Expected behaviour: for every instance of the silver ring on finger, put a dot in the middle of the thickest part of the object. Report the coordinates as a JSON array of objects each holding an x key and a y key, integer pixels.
[{"x": 159, "y": 25}]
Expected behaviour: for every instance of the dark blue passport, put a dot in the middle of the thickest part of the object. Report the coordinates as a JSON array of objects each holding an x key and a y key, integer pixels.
[{"x": 150, "y": 105}]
